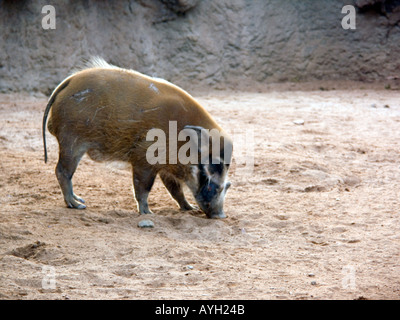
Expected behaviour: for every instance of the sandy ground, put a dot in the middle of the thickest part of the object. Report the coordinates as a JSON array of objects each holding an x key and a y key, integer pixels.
[{"x": 316, "y": 217}]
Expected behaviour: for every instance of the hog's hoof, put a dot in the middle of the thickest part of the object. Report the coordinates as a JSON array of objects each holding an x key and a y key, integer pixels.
[
  {"x": 75, "y": 202},
  {"x": 188, "y": 207},
  {"x": 79, "y": 199},
  {"x": 76, "y": 205}
]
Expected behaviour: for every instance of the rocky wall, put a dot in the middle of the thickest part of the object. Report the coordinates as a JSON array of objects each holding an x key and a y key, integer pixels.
[{"x": 225, "y": 44}]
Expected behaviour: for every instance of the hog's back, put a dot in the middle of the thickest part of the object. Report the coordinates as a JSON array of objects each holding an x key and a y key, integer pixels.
[{"x": 111, "y": 110}]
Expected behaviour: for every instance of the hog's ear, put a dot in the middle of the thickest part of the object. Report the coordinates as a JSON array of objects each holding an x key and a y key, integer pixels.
[{"x": 203, "y": 141}]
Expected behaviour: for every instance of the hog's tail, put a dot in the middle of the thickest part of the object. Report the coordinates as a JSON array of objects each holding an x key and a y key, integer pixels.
[{"x": 53, "y": 96}]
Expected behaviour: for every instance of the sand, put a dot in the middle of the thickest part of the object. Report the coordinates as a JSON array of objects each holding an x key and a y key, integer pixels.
[{"x": 313, "y": 211}]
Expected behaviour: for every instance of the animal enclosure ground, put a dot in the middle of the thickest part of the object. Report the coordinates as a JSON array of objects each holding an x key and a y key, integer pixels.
[{"x": 316, "y": 217}]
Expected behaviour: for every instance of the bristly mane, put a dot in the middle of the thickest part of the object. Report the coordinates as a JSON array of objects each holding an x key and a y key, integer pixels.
[{"x": 94, "y": 62}]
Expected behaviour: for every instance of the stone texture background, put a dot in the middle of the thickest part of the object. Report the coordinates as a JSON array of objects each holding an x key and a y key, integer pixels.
[{"x": 225, "y": 44}]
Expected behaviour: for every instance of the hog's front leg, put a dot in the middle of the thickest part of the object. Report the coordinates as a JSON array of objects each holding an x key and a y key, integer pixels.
[
  {"x": 174, "y": 187},
  {"x": 143, "y": 180}
]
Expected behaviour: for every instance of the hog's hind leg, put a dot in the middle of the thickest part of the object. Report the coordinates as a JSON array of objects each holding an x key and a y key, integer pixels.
[{"x": 70, "y": 155}]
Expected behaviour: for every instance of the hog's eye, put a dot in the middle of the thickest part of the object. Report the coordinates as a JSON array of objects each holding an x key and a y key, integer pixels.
[
  {"x": 220, "y": 189},
  {"x": 216, "y": 168}
]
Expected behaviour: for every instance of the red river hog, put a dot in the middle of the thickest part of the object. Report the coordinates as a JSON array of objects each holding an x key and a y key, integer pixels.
[{"x": 115, "y": 114}]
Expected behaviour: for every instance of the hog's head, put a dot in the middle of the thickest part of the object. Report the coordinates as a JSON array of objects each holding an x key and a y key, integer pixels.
[{"x": 208, "y": 179}]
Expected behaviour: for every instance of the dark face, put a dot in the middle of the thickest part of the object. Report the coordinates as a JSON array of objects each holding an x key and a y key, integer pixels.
[
  {"x": 207, "y": 180},
  {"x": 211, "y": 190}
]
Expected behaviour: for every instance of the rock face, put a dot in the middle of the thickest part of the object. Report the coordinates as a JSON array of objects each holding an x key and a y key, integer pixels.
[
  {"x": 389, "y": 8},
  {"x": 222, "y": 44},
  {"x": 180, "y": 6}
]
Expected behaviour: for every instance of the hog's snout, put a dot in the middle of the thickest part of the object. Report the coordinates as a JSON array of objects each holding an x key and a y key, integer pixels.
[
  {"x": 211, "y": 199},
  {"x": 212, "y": 213},
  {"x": 218, "y": 215}
]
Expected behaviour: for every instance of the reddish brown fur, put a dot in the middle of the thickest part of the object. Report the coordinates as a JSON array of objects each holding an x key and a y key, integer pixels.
[{"x": 121, "y": 104}]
